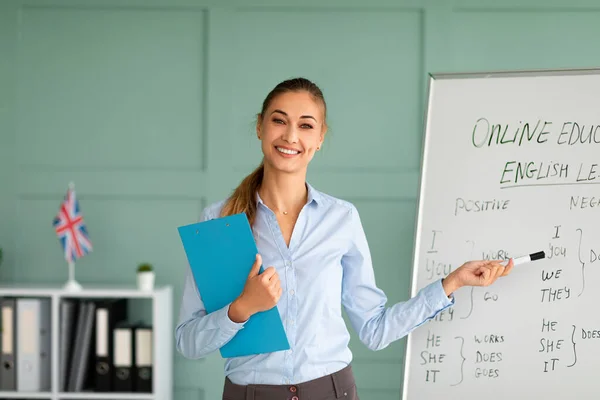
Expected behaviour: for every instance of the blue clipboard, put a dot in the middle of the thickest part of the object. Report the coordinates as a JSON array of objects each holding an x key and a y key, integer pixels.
[{"x": 221, "y": 252}]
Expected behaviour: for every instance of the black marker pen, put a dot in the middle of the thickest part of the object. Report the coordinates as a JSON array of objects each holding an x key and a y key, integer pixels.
[{"x": 531, "y": 257}]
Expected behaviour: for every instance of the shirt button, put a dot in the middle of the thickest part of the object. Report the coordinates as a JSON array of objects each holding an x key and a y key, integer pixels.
[
  {"x": 287, "y": 263},
  {"x": 292, "y": 292}
]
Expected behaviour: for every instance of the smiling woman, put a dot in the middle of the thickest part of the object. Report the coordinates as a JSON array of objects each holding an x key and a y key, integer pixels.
[
  {"x": 317, "y": 244},
  {"x": 291, "y": 126}
]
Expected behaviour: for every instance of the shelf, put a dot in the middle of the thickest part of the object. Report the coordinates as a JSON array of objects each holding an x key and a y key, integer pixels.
[
  {"x": 25, "y": 395},
  {"x": 92, "y": 290},
  {"x": 160, "y": 317},
  {"x": 106, "y": 395}
]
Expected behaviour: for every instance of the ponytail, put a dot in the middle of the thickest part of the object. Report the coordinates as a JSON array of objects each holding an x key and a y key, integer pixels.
[{"x": 243, "y": 199}]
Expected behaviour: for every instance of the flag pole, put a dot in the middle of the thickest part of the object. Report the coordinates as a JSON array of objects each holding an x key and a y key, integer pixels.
[{"x": 72, "y": 285}]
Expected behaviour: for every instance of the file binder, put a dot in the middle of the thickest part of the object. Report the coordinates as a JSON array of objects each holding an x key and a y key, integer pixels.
[
  {"x": 8, "y": 373},
  {"x": 33, "y": 348},
  {"x": 143, "y": 358},
  {"x": 68, "y": 317},
  {"x": 123, "y": 357},
  {"x": 221, "y": 253},
  {"x": 108, "y": 314},
  {"x": 80, "y": 359}
]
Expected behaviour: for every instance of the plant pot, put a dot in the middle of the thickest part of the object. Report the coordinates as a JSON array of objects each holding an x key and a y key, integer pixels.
[{"x": 145, "y": 281}]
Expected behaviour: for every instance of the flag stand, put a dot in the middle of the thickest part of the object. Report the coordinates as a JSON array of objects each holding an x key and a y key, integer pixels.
[{"x": 72, "y": 285}]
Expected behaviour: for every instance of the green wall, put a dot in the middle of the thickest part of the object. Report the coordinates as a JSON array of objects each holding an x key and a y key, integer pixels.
[{"x": 148, "y": 106}]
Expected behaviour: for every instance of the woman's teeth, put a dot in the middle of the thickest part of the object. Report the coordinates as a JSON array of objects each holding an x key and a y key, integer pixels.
[{"x": 286, "y": 151}]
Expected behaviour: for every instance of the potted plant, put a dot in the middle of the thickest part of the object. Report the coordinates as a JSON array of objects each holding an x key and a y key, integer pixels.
[{"x": 145, "y": 277}]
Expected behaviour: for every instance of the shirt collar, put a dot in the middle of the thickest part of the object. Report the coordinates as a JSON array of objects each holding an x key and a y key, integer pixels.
[{"x": 313, "y": 195}]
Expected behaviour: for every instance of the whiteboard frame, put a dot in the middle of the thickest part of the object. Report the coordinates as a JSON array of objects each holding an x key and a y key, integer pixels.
[{"x": 431, "y": 78}]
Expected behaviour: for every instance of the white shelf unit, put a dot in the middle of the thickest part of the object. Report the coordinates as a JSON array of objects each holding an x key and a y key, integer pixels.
[{"x": 162, "y": 337}]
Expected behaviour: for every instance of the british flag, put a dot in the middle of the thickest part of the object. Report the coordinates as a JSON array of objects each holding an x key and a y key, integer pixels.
[{"x": 71, "y": 230}]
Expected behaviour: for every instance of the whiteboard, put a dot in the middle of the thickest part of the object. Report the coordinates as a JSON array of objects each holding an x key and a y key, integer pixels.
[{"x": 510, "y": 166}]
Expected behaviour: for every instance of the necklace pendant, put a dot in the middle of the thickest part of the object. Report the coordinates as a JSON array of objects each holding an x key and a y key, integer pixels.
[{"x": 285, "y": 213}]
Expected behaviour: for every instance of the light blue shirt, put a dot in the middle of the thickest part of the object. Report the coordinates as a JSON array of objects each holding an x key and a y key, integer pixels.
[{"x": 326, "y": 266}]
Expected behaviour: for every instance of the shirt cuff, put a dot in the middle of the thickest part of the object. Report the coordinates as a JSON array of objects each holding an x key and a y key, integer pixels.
[
  {"x": 436, "y": 296},
  {"x": 225, "y": 322}
]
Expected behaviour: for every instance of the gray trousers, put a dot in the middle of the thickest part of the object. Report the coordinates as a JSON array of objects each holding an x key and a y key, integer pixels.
[{"x": 339, "y": 385}]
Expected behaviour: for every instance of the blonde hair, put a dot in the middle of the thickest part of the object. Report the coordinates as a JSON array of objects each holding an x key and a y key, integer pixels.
[{"x": 243, "y": 198}]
